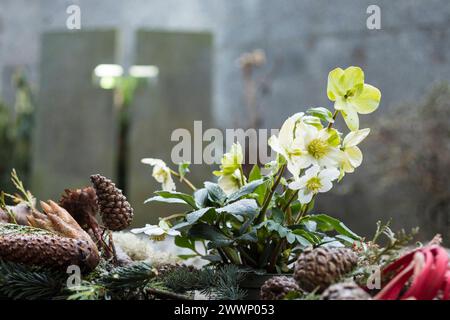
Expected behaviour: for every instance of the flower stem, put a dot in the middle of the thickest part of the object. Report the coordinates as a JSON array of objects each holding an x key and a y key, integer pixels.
[
  {"x": 183, "y": 179},
  {"x": 330, "y": 124},
  {"x": 173, "y": 216},
  {"x": 293, "y": 196},
  {"x": 270, "y": 195},
  {"x": 302, "y": 213},
  {"x": 242, "y": 176}
]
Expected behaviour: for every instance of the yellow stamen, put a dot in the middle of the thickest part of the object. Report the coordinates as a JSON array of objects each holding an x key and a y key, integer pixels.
[
  {"x": 314, "y": 184},
  {"x": 318, "y": 148}
]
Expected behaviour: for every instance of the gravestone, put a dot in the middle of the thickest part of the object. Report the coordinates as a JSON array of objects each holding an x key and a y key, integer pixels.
[
  {"x": 75, "y": 130},
  {"x": 181, "y": 94}
]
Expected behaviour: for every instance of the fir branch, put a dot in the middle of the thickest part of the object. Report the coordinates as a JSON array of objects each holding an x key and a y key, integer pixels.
[
  {"x": 87, "y": 291},
  {"x": 18, "y": 281},
  {"x": 11, "y": 228}
]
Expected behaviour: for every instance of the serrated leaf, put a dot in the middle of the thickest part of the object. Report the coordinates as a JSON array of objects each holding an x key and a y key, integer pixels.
[
  {"x": 211, "y": 233},
  {"x": 249, "y": 236},
  {"x": 165, "y": 200},
  {"x": 178, "y": 195},
  {"x": 184, "y": 242},
  {"x": 241, "y": 208},
  {"x": 326, "y": 223},
  {"x": 255, "y": 173},
  {"x": 277, "y": 215},
  {"x": 197, "y": 215},
  {"x": 201, "y": 197},
  {"x": 245, "y": 190},
  {"x": 215, "y": 193}
]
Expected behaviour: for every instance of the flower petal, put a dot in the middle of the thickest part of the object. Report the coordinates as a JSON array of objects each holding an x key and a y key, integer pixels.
[
  {"x": 140, "y": 230},
  {"x": 333, "y": 86},
  {"x": 168, "y": 184},
  {"x": 228, "y": 183},
  {"x": 312, "y": 172},
  {"x": 156, "y": 231},
  {"x": 368, "y": 100},
  {"x": 354, "y": 156},
  {"x": 276, "y": 146},
  {"x": 153, "y": 162},
  {"x": 330, "y": 174},
  {"x": 172, "y": 232},
  {"x": 351, "y": 118},
  {"x": 355, "y": 137},
  {"x": 326, "y": 186},
  {"x": 353, "y": 77},
  {"x": 305, "y": 196}
]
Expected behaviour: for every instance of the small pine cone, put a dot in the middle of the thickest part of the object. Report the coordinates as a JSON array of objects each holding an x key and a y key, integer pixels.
[
  {"x": 48, "y": 250},
  {"x": 81, "y": 204},
  {"x": 345, "y": 291},
  {"x": 115, "y": 210},
  {"x": 323, "y": 266},
  {"x": 276, "y": 288}
]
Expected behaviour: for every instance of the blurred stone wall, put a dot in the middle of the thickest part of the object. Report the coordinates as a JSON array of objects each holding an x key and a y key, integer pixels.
[{"x": 304, "y": 39}]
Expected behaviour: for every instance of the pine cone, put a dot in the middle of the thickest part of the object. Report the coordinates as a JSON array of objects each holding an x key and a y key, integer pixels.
[
  {"x": 81, "y": 204},
  {"x": 48, "y": 250},
  {"x": 323, "y": 266},
  {"x": 276, "y": 288},
  {"x": 115, "y": 210},
  {"x": 345, "y": 291}
]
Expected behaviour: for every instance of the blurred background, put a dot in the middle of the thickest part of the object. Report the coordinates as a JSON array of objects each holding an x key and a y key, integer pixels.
[{"x": 74, "y": 102}]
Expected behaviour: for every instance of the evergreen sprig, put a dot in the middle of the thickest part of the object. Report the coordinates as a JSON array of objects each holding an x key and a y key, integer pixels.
[
  {"x": 21, "y": 282},
  {"x": 220, "y": 283},
  {"x": 127, "y": 282}
]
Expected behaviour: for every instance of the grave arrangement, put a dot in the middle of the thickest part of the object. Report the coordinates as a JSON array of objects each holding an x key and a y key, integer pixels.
[{"x": 259, "y": 232}]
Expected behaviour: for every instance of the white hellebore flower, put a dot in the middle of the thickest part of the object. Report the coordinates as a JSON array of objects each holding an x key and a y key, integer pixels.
[
  {"x": 352, "y": 154},
  {"x": 161, "y": 173},
  {"x": 157, "y": 232},
  {"x": 230, "y": 177},
  {"x": 320, "y": 150},
  {"x": 287, "y": 144},
  {"x": 231, "y": 182},
  {"x": 314, "y": 181}
]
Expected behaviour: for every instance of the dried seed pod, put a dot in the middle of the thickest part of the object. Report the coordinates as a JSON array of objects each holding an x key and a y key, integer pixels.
[{"x": 81, "y": 204}]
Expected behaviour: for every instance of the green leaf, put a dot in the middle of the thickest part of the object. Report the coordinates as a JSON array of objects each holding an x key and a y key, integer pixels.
[
  {"x": 321, "y": 113},
  {"x": 249, "y": 236},
  {"x": 184, "y": 242},
  {"x": 165, "y": 200},
  {"x": 241, "y": 208},
  {"x": 211, "y": 233},
  {"x": 178, "y": 195},
  {"x": 277, "y": 215},
  {"x": 245, "y": 190},
  {"x": 345, "y": 239},
  {"x": 187, "y": 256},
  {"x": 327, "y": 223},
  {"x": 215, "y": 193},
  {"x": 201, "y": 197},
  {"x": 183, "y": 168},
  {"x": 255, "y": 173},
  {"x": 284, "y": 232},
  {"x": 194, "y": 216}
]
